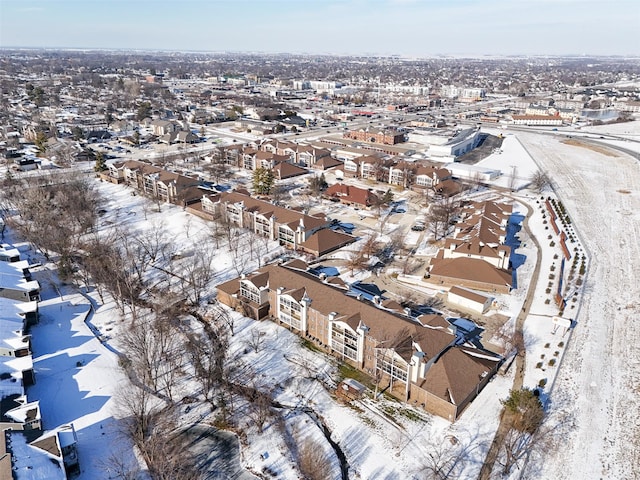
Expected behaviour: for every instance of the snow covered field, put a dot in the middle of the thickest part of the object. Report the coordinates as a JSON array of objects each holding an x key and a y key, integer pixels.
[
  {"x": 599, "y": 374},
  {"x": 599, "y": 379}
]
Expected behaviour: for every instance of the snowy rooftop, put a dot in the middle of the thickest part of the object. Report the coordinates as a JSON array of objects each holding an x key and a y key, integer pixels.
[{"x": 31, "y": 463}]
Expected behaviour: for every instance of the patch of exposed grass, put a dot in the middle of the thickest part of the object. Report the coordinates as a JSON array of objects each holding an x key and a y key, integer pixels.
[
  {"x": 595, "y": 148},
  {"x": 311, "y": 346},
  {"x": 347, "y": 371}
]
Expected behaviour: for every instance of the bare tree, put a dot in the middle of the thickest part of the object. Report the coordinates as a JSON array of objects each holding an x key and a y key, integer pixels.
[
  {"x": 197, "y": 271},
  {"x": 443, "y": 460},
  {"x": 440, "y": 215},
  {"x": 313, "y": 461},
  {"x": 121, "y": 464},
  {"x": 370, "y": 246},
  {"x": 540, "y": 181},
  {"x": 278, "y": 194},
  {"x": 260, "y": 406},
  {"x": 238, "y": 249},
  {"x": 219, "y": 316},
  {"x": 356, "y": 261},
  {"x": 138, "y": 407},
  {"x": 164, "y": 450},
  {"x": 218, "y": 168},
  {"x": 207, "y": 359},
  {"x": 154, "y": 242},
  {"x": 151, "y": 346},
  {"x": 256, "y": 340},
  {"x": 385, "y": 352}
]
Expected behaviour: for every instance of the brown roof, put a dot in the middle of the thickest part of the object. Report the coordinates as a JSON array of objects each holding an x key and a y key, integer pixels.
[
  {"x": 382, "y": 324},
  {"x": 448, "y": 187},
  {"x": 456, "y": 374},
  {"x": 326, "y": 240},
  {"x": 288, "y": 170},
  {"x": 327, "y": 162},
  {"x": 230, "y": 287},
  {"x": 456, "y": 371},
  {"x": 469, "y": 294},
  {"x": 259, "y": 279},
  {"x": 476, "y": 247},
  {"x": 283, "y": 215},
  {"x": 297, "y": 264},
  {"x": 472, "y": 269},
  {"x": 351, "y": 194},
  {"x": 48, "y": 444}
]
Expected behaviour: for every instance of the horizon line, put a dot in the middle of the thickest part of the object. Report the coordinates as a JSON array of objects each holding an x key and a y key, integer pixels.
[{"x": 324, "y": 54}]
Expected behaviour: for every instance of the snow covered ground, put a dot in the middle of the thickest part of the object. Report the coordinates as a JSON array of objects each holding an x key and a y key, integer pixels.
[
  {"x": 599, "y": 379},
  {"x": 76, "y": 378},
  {"x": 594, "y": 380},
  {"x": 596, "y": 385}
]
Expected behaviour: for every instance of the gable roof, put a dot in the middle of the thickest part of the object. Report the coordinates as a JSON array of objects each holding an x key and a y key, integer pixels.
[
  {"x": 472, "y": 269},
  {"x": 455, "y": 375},
  {"x": 326, "y": 240},
  {"x": 352, "y": 194},
  {"x": 282, "y": 215},
  {"x": 327, "y": 162},
  {"x": 288, "y": 170}
]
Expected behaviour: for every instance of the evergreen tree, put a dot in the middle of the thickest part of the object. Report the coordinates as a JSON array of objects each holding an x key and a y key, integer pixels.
[
  {"x": 101, "y": 164},
  {"x": 387, "y": 198},
  {"x": 263, "y": 181},
  {"x": 41, "y": 143}
]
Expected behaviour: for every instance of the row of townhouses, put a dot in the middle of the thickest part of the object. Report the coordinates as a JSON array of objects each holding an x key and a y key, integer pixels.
[
  {"x": 291, "y": 228},
  {"x": 381, "y": 168},
  {"x": 151, "y": 180},
  {"x": 476, "y": 256},
  {"x": 26, "y": 451},
  {"x": 427, "y": 361},
  {"x": 269, "y": 153}
]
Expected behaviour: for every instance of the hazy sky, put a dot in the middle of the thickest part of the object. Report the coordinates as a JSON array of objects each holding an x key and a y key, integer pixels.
[{"x": 385, "y": 27}]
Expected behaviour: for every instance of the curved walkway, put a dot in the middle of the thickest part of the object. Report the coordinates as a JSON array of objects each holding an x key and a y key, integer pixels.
[{"x": 498, "y": 439}]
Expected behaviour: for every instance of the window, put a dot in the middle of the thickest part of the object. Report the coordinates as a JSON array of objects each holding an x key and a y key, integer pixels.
[
  {"x": 286, "y": 236},
  {"x": 249, "y": 293},
  {"x": 389, "y": 364},
  {"x": 290, "y": 312},
  {"x": 263, "y": 227},
  {"x": 344, "y": 342}
]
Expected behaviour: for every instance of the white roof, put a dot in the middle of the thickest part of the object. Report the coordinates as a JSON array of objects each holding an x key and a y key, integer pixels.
[
  {"x": 14, "y": 283},
  {"x": 31, "y": 463},
  {"x": 19, "y": 414}
]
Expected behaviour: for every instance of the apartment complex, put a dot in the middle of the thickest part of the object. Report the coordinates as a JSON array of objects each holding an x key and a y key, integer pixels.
[{"x": 427, "y": 361}]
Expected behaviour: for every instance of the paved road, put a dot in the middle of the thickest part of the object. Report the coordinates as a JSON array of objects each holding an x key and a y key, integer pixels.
[
  {"x": 216, "y": 453},
  {"x": 494, "y": 450}
]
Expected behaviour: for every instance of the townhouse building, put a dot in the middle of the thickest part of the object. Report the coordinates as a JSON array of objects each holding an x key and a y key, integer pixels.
[
  {"x": 351, "y": 195},
  {"x": 428, "y": 362},
  {"x": 291, "y": 228},
  {"x": 537, "y": 120},
  {"x": 476, "y": 256},
  {"x": 151, "y": 180},
  {"x": 16, "y": 282}
]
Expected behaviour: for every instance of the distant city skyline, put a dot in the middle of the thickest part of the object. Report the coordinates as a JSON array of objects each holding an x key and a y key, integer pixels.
[{"x": 411, "y": 28}]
